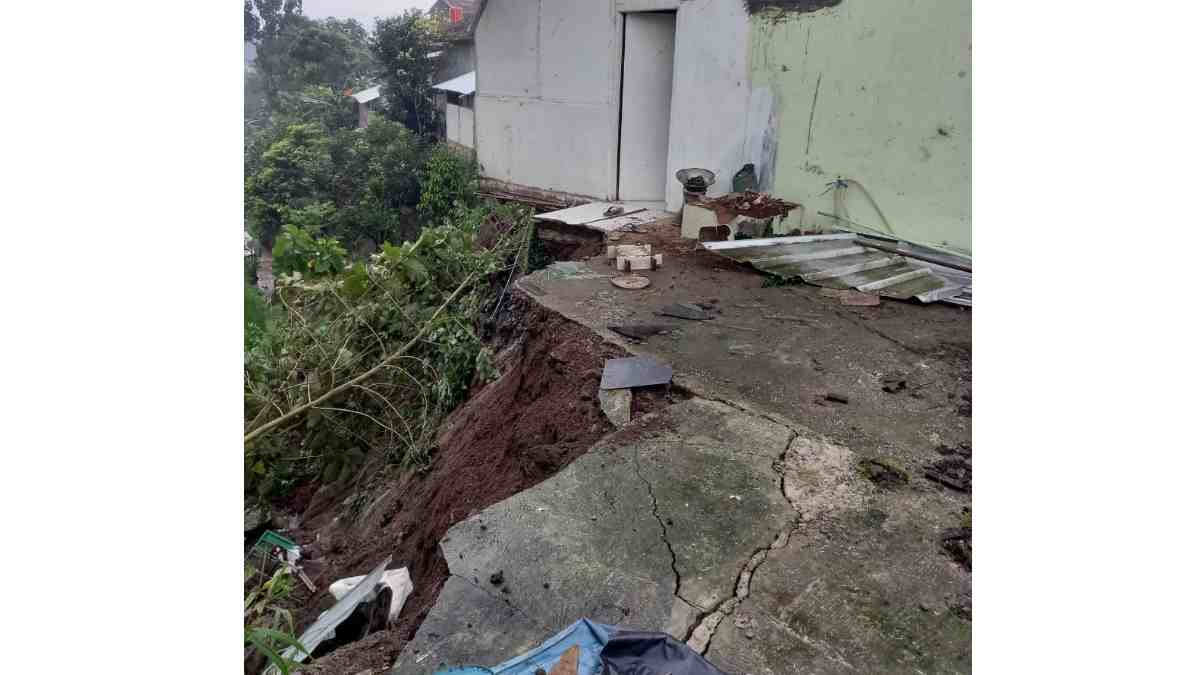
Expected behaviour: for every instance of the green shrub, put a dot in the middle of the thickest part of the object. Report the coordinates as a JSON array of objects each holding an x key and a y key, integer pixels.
[
  {"x": 338, "y": 326},
  {"x": 448, "y": 179},
  {"x": 297, "y": 250}
]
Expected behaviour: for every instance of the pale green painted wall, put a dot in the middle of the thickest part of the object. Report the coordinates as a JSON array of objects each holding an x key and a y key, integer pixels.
[{"x": 893, "y": 111}]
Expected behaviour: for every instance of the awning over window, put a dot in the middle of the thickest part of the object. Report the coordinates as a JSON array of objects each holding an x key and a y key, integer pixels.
[{"x": 463, "y": 84}]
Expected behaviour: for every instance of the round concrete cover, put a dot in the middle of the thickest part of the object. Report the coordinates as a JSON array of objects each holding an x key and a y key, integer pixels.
[{"x": 630, "y": 281}]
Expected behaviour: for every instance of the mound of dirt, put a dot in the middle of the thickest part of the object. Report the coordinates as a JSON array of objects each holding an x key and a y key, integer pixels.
[{"x": 513, "y": 433}]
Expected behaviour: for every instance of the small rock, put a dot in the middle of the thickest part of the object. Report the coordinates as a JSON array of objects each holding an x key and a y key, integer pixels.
[
  {"x": 617, "y": 405},
  {"x": 546, "y": 586},
  {"x": 497, "y": 578},
  {"x": 837, "y": 398}
]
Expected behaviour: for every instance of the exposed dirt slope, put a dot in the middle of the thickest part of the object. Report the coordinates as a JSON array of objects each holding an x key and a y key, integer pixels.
[{"x": 513, "y": 433}]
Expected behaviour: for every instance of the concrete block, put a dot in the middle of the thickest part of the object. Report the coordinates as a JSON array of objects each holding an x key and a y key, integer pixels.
[
  {"x": 628, "y": 250},
  {"x": 641, "y": 262}
]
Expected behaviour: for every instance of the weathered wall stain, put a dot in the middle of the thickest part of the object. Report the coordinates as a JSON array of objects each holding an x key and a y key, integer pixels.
[
  {"x": 798, "y": 6},
  {"x": 812, "y": 113}
]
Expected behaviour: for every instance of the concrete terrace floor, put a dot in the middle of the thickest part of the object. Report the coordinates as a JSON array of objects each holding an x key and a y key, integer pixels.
[{"x": 738, "y": 519}]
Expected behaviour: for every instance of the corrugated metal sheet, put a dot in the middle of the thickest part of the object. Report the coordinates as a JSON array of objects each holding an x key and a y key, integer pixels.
[
  {"x": 367, "y": 95},
  {"x": 463, "y": 84},
  {"x": 843, "y": 261}
]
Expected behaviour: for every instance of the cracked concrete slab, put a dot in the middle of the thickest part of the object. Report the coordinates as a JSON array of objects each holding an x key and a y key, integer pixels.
[
  {"x": 858, "y": 592},
  {"x": 646, "y": 530}
]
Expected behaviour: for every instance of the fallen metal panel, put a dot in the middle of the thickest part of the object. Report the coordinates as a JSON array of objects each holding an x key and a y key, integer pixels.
[
  {"x": 583, "y": 214},
  {"x": 846, "y": 261},
  {"x": 637, "y": 371},
  {"x": 328, "y": 622}
]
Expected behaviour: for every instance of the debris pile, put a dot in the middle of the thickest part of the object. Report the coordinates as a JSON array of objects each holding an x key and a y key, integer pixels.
[
  {"x": 956, "y": 543},
  {"x": 752, "y": 204},
  {"x": 954, "y": 469}
]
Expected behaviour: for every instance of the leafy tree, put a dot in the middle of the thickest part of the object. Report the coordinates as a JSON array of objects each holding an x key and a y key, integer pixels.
[
  {"x": 448, "y": 179},
  {"x": 376, "y": 181},
  {"x": 402, "y": 46},
  {"x": 264, "y": 19},
  {"x": 298, "y": 53},
  {"x": 295, "y": 171},
  {"x": 317, "y": 104}
]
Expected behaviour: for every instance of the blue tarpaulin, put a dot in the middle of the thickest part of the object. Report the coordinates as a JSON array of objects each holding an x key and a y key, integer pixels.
[{"x": 603, "y": 649}]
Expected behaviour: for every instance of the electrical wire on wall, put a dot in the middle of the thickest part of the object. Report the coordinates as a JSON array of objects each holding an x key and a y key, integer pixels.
[{"x": 841, "y": 213}]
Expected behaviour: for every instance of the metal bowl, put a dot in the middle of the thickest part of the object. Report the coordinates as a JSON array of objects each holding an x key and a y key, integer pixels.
[{"x": 683, "y": 175}]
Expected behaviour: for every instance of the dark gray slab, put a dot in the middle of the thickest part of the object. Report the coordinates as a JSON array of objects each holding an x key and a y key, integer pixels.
[{"x": 635, "y": 371}]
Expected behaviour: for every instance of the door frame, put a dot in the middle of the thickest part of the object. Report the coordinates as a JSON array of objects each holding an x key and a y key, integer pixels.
[{"x": 625, "y": 8}]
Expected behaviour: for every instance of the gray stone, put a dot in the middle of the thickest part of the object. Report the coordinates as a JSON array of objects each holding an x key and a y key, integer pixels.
[{"x": 617, "y": 405}]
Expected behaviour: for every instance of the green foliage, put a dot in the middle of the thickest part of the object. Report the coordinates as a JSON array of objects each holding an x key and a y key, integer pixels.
[
  {"x": 317, "y": 104},
  {"x": 339, "y": 326},
  {"x": 300, "y": 52},
  {"x": 264, "y": 19},
  {"x": 256, "y": 315},
  {"x": 298, "y": 251},
  {"x": 376, "y": 182},
  {"x": 401, "y": 46},
  {"x": 447, "y": 179},
  {"x": 268, "y": 627},
  {"x": 295, "y": 171}
]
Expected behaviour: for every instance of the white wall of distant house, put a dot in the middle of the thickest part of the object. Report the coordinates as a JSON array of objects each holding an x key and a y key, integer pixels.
[{"x": 460, "y": 125}]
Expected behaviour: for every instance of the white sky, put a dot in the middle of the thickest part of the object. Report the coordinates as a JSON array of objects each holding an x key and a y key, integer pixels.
[{"x": 364, "y": 11}]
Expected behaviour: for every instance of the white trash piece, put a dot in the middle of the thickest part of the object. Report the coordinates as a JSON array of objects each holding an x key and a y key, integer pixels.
[{"x": 398, "y": 580}]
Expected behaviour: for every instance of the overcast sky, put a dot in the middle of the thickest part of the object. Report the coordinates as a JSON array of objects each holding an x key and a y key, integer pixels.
[{"x": 363, "y": 10}]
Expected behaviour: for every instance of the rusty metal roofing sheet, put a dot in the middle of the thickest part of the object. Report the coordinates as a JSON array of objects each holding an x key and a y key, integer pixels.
[{"x": 842, "y": 261}]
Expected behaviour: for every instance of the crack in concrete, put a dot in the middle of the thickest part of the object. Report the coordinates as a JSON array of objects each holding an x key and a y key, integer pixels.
[
  {"x": 637, "y": 467},
  {"x": 700, "y": 634}
]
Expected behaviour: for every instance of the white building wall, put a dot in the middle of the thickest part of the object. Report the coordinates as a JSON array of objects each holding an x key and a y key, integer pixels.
[
  {"x": 546, "y": 94},
  {"x": 711, "y": 98},
  {"x": 466, "y": 127},
  {"x": 548, "y": 91}
]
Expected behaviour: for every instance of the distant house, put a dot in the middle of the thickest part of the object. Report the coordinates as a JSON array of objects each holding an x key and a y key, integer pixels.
[
  {"x": 363, "y": 102},
  {"x": 455, "y": 77},
  {"x": 857, "y": 107},
  {"x": 458, "y": 18},
  {"x": 458, "y": 101}
]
